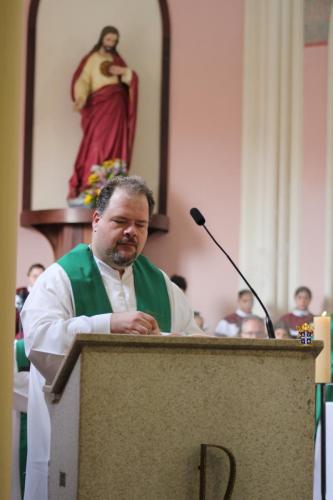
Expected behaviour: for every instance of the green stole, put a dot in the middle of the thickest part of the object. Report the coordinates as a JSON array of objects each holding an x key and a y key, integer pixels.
[
  {"x": 23, "y": 365},
  {"x": 329, "y": 388},
  {"x": 90, "y": 296}
]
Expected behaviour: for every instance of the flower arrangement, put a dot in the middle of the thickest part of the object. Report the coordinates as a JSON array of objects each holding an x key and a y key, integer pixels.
[{"x": 99, "y": 176}]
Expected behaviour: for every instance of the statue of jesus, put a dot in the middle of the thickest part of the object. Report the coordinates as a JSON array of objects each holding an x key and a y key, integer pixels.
[{"x": 105, "y": 92}]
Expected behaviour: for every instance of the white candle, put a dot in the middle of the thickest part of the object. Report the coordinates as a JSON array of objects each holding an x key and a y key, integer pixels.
[{"x": 322, "y": 331}]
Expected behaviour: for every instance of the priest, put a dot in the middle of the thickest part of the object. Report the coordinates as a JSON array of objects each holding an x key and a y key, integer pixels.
[{"x": 108, "y": 287}]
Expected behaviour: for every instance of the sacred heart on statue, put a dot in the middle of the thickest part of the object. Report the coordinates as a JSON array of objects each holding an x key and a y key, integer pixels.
[{"x": 105, "y": 68}]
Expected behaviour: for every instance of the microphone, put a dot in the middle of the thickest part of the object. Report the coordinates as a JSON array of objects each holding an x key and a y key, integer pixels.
[{"x": 200, "y": 220}]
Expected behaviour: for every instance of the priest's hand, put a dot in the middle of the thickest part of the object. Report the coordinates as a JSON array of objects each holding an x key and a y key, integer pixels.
[{"x": 136, "y": 322}]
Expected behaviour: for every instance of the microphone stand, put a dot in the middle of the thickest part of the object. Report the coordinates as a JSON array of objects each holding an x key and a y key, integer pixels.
[{"x": 269, "y": 324}]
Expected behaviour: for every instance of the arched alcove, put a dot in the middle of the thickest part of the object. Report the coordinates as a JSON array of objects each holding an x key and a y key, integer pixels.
[{"x": 59, "y": 35}]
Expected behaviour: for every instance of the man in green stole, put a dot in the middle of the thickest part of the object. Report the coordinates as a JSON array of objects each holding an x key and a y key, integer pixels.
[{"x": 103, "y": 288}]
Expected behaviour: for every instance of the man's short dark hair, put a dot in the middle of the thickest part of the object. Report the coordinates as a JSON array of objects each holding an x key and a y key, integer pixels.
[
  {"x": 303, "y": 289},
  {"x": 133, "y": 184},
  {"x": 35, "y": 266},
  {"x": 245, "y": 291},
  {"x": 180, "y": 281}
]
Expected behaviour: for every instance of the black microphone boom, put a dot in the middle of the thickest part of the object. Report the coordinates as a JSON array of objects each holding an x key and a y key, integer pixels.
[{"x": 200, "y": 220}]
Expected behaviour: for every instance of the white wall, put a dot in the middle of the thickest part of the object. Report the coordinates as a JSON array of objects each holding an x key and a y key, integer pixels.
[{"x": 66, "y": 31}]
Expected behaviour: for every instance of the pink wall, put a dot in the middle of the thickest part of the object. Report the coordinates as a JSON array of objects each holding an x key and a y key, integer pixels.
[
  {"x": 205, "y": 145},
  {"x": 204, "y": 165},
  {"x": 32, "y": 247},
  {"x": 313, "y": 187}
]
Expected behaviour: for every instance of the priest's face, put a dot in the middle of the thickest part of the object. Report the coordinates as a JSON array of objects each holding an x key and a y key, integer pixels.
[{"x": 120, "y": 232}]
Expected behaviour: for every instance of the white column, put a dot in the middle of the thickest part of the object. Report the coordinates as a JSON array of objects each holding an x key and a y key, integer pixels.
[
  {"x": 271, "y": 147},
  {"x": 328, "y": 277}
]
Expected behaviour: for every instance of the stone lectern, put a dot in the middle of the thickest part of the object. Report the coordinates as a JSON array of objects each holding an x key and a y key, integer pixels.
[{"x": 129, "y": 415}]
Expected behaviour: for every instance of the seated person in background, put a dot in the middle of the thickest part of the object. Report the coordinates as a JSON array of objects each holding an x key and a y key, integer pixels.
[
  {"x": 180, "y": 281},
  {"x": 301, "y": 314},
  {"x": 281, "y": 333},
  {"x": 22, "y": 293},
  {"x": 231, "y": 324},
  {"x": 253, "y": 327}
]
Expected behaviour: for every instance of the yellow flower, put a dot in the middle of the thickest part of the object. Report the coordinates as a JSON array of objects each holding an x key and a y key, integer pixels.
[
  {"x": 107, "y": 163},
  {"x": 88, "y": 199},
  {"x": 93, "y": 178}
]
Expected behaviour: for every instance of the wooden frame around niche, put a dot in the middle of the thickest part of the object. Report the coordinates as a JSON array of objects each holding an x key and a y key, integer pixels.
[{"x": 66, "y": 227}]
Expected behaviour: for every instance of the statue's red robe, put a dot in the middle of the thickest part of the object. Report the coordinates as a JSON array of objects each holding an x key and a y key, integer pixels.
[{"x": 108, "y": 123}]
